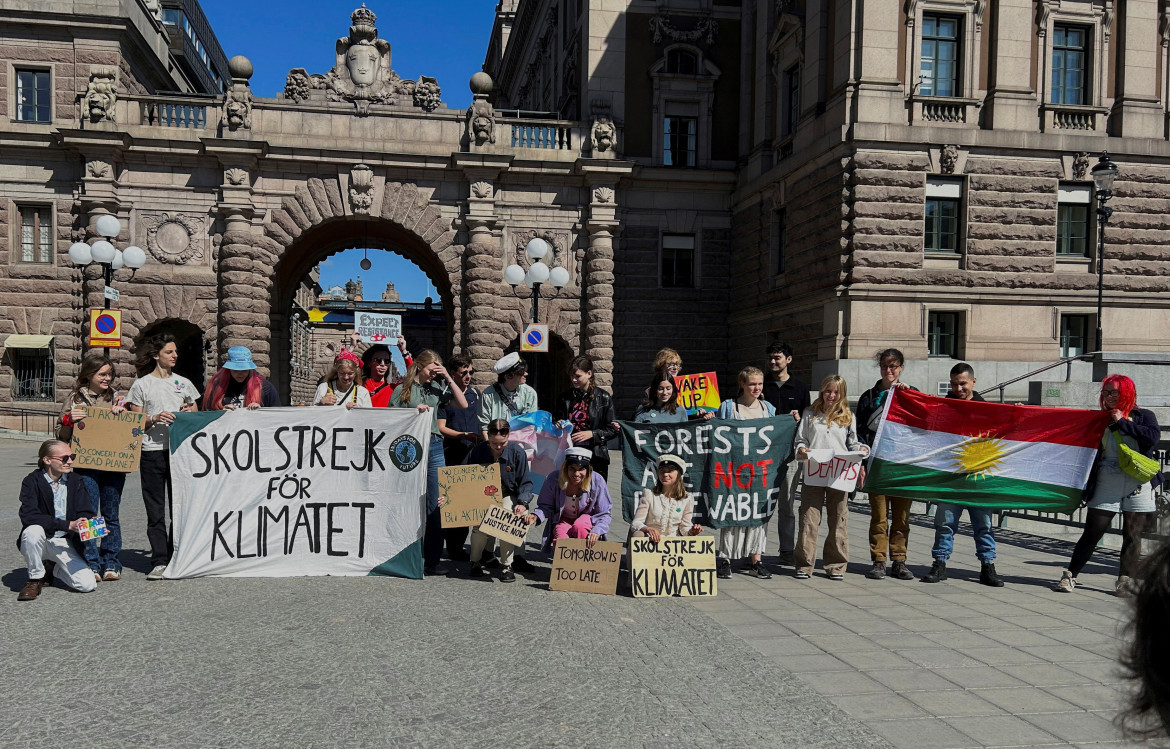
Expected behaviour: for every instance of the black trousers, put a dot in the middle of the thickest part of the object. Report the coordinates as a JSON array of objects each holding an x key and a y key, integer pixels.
[{"x": 154, "y": 469}]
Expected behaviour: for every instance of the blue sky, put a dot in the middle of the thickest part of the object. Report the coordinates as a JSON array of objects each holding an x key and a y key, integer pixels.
[{"x": 445, "y": 39}]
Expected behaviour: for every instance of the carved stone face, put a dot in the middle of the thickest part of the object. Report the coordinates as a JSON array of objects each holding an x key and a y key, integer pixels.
[{"x": 362, "y": 61}]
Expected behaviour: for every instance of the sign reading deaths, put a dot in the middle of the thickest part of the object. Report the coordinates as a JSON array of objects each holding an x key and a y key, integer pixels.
[
  {"x": 282, "y": 492},
  {"x": 734, "y": 468},
  {"x": 375, "y": 327},
  {"x": 106, "y": 441},
  {"x": 673, "y": 567}
]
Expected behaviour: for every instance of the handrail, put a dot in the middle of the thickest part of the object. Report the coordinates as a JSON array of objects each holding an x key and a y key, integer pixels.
[{"x": 1000, "y": 387}]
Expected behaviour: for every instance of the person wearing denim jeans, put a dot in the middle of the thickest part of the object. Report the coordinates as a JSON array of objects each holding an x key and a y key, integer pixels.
[{"x": 105, "y": 489}]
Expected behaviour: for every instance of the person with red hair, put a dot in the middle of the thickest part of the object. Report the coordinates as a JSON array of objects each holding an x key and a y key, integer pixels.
[
  {"x": 239, "y": 385},
  {"x": 1111, "y": 490}
]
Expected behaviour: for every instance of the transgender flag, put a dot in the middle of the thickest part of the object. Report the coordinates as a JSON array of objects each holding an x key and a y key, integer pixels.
[{"x": 988, "y": 455}]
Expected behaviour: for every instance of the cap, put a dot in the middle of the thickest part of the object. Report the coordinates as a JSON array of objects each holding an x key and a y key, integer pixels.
[
  {"x": 579, "y": 455},
  {"x": 672, "y": 460},
  {"x": 239, "y": 358},
  {"x": 506, "y": 362}
]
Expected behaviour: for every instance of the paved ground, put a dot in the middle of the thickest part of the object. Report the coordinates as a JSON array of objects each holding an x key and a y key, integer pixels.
[{"x": 323, "y": 662}]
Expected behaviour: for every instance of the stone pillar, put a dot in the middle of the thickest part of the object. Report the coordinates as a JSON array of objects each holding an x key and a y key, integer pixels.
[
  {"x": 1011, "y": 100},
  {"x": 487, "y": 331},
  {"x": 245, "y": 289},
  {"x": 1136, "y": 112},
  {"x": 597, "y": 288}
]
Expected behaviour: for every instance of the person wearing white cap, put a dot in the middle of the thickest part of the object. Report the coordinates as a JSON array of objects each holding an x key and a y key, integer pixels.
[
  {"x": 668, "y": 508},
  {"x": 573, "y": 502},
  {"x": 509, "y": 396}
]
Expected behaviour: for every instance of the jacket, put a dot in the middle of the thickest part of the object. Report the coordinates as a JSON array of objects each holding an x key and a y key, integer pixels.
[
  {"x": 1142, "y": 428},
  {"x": 816, "y": 434},
  {"x": 552, "y": 501},
  {"x": 36, "y": 506},
  {"x": 514, "y": 476},
  {"x": 601, "y": 418},
  {"x": 870, "y": 404},
  {"x": 670, "y": 517},
  {"x": 727, "y": 409}
]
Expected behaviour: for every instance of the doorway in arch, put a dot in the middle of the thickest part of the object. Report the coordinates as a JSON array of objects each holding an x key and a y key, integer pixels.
[
  {"x": 548, "y": 374},
  {"x": 193, "y": 350}
]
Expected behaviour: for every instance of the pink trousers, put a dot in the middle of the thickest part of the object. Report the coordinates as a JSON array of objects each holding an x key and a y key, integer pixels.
[{"x": 579, "y": 528}]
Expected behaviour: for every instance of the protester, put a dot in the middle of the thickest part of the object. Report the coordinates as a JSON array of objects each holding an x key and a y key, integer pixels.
[
  {"x": 380, "y": 374},
  {"x": 428, "y": 387},
  {"x": 509, "y": 396},
  {"x": 788, "y": 395},
  {"x": 159, "y": 393},
  {"x": 517, "y": 492},
  {"x": 946, "y": 515},
  {"x": 667, "y": 362},
  {"x": 238, "y": 384},
  {"x": 668, "y": 508},
  {"x": 1111, "y": 489},
  {"x": 1147, "y": 654},
  {"x": 460, "y": 430},
  {"x": 745, "y": 542},
  {"x": 94, "y": 390},
  {"x": 342, "y": 385},
  {"x": 590, "y": 411},
  {"x": 889, "y": 516},
  {"x": 660, "y": 405},
  {"x": 52, "y": 502},
  {"x": 572, "y": 502},
  {"x": 827, "y": 424}
]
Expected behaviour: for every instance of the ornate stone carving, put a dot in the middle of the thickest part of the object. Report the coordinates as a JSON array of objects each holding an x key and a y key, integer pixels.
[
  {"x": 237, "y": 103},
  {"x": 97, "y": 168},
  {"x": 235, "y": 176},
  {"x": 948, "y": 156},
  {"x": 562, "y": 254},
  {"x": 361, "y": 189},
  {"x": 481, "y": 117},
  {"x": 1080, "y": 165},
  {"x": 706, "y": 30},
  {"x": 603, "y": 135},
  {"x": 297, "y": 85},
  {"x": 603, "y": 194},
  {"x": 482, "y": 190},
  {"x": 101, "y": 93},
  {"x": 427, "y": 95},
  {"x": 174, "y": 238}
]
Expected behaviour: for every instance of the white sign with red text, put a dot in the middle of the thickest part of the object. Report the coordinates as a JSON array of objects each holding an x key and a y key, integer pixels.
[{"x": 832, "y": 469}]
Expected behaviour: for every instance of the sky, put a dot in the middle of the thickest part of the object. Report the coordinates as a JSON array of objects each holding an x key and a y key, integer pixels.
[{"x": 445, "y": 39}]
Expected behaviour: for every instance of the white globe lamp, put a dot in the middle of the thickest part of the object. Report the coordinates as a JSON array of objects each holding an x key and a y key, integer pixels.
[
  {"x": 559, "y": 277},
  {"x": 117, "y": 262},
  {"x": 538, "y": 272},
  {"x": 80, "y": 254},
  {"x": 134, "y": 257},
  {"x": 103, "y": 251},
  {"x": 108, "y": 226},
  {"x": 536, "y": 248},
  {"x": 514, "y": 275}
]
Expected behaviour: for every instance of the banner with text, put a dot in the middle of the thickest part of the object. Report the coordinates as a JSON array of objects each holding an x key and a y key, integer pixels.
[
  {"x": 835, "y": 470},
  {"x": 283, "y": 492},
  {"x": 376, "y": 327},
  {"x": 735, "y": 469}
]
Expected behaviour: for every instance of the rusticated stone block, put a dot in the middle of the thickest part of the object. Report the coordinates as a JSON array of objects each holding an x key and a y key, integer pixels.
[
  {"x": 977, "y": 164},
  {"x": 333, "y": 191},
  {"x": 1014, "y": 264},
  {"x": 307, "y": 204},
  {"x": 1026, "y": 232},
  {"x": 1010, "y": 217},
  {"x": 891, "y": 177},
  {"x": 316, "y": 189},
  {"x": 897, "y": 161},
  {"x": 887, "y": 227},
  {"x": 287, "y": 224},
  {"x": 887, "y": 194},
  {"x": 292, "y": 207},
  {"x": 277, "y": 233},
  {"x": 868, "y": 243},
  {"x": 407, "y": 199},
  {"x": 228, "y": 263},
  {"x": 887, "y": 259},
  {"x": 1010, "y": 248}
]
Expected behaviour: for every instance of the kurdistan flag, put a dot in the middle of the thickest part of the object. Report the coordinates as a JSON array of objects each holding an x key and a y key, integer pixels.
[{"x": 987, "y": 455}]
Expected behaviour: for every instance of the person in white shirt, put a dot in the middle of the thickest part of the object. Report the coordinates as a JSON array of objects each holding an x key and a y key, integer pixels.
[
  {"x": 343, "y": 384},
  {"x": 668, "y": 508}
]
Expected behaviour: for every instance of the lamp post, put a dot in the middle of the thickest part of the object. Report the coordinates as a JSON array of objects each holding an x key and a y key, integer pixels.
[
  {"x": 538, "y": 273},
  {"x": 1103, "y": 175},
  {"x": 106, "y": 255}
]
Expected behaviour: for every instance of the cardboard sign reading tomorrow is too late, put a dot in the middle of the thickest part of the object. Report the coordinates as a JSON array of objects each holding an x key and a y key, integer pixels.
[{"x": 578, "y": 569}]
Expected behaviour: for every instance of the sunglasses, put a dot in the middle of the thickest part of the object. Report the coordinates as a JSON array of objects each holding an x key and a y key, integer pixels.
[
  {"x": 466, "y": 371},
  {"x": 380, "y": 361},
  {"x": 64, "y": 458},
  {"x": 1110, "y": 392}
]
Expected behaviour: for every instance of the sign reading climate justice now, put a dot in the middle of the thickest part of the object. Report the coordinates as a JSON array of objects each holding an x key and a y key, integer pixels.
[
  {"x": 735, "y": 469},
  {"x": 375, "y": 327},
  {"x": 283, "y": 492}
]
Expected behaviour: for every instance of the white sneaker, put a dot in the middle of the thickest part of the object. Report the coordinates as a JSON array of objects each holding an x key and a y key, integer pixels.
[
  {"x": 157, "y": 573},
  {"x": 1067, "y": 583}
]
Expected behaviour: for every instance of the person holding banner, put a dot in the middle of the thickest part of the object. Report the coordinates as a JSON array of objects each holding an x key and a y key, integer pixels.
[
  {"x": 827, "y": 424},
  {"x": 159, "y": 393},
  {"x": 53, "y": 501},
  {"x": 668, "y": 508},
  {"x": 380, "y": 374},
  {"x": 590, "y": 410},
  {"x": 239, "y": 385},
  {"x": 745, "y": 542},
  {"x": 428, "y": 387},
  {"x": 94, "y": 390},
  {"x": 660, "y": 405},
  {"x": 509, "y": 396},
  {"x": 343, "y": 384},
  {"x": 573, "y": 504},
  {"x": 1113, "y": 489}
]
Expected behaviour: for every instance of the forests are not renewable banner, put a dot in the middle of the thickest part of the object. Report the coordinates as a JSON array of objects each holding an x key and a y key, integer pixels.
[
  {"x": 735, "y": 469},
  {"x": 283, "y": 492}
]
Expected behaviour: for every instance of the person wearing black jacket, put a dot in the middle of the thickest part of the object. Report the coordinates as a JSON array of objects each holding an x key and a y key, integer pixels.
[
  {"x": 52, "y": 501},
  {"x": 789, "y": 395},
  {"x": 590, "y": 410}
]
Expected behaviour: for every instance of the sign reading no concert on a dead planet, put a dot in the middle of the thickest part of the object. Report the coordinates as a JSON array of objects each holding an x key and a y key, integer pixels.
[
  {"x": 578, "y": 569},
  {"x": 674, "y": 566}
]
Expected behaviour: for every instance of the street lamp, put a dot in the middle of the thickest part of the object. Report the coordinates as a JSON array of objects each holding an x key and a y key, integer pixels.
[
  {"x": 1103, "y": 175},
  {"x": 105, "y": 254},
  {"x": 538, "y": 273}
]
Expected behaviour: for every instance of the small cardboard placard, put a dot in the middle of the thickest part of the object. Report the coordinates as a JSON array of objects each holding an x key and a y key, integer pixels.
[
  {"x": 580, "y": 570},
  {"x": 698, "y": 393},
  {"x": 106, "y": 441},
  {"x": 376, "y": 327},
  {"x": 470, "y": 491},
  {"x": 507, "y": 526},
  {"x": 834, "y": 470},
  {"x": 91, "y": 529},
  {"x": 675, "y": 566}
]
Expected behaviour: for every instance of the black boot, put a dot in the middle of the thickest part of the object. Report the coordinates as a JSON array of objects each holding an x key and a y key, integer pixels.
[
  {"x": 938, "y": 573},
  {"x": 987, "y": 576}
]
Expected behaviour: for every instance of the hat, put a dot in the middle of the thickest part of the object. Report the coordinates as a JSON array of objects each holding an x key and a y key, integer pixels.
[
  {"x": 582, "y": 456},
  {"x": 506, "y": 363},
  {"x": 672, "y": 460},
  {"x": 346, "y": 354},
  {"x": 377, "y": 348},
  {"x": 239, "y": 358}
]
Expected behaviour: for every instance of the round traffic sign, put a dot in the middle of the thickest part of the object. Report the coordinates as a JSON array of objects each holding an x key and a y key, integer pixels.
[
  {"x": 535, "y": 337},
  {"x": 105, "y": 324}
]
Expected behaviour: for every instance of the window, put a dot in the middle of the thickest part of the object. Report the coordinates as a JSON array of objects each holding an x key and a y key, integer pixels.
[
  {"x": 36, "y": 234},
  {"x": 1070, "y": 46},
  {"x": 678, "y": 260},
  {"x": 791, "y": 99},
  {"x": 1074, "y": 335},
  {"x": 679, "y": 141},
  {"x": 682, "y": 62},
  {"x": 170, "y": 16},
  {"x": 942, "y": 335},
  {"x": 779, "y": 240},
  {"x": 32, "y": 374},
  {"x": 944, "y": 198},
  {"x": 1072, "y": 220},
  {"x": 33, "y": 95},
  {"x": 940, "y": 55}
]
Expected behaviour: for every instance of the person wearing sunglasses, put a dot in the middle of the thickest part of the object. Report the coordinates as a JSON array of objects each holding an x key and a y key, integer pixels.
[
  {"x": 460, "y": 430},
  {"x": 53, "y": 501}
]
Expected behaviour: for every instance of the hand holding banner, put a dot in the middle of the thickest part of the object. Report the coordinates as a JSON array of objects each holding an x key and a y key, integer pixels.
[{"x": 835, "y": 470}]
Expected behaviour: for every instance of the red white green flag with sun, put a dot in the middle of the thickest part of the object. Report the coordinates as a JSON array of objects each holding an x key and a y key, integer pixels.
[{"x": 988, "y": 455}]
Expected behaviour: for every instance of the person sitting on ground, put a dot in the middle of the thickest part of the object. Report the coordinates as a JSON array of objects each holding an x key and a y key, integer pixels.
[
  {"x": 573, "y": 502},
  {"x": 238, "y": 384},
  {"x": 343, "y": 384},
  {"x": 668, "y": 508},
  {"x": 53, "y": 500},
  {"x": 509, "y": 396}
]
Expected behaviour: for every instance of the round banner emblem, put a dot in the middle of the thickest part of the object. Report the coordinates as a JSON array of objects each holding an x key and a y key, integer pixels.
[{"x": 405, "y": 453}]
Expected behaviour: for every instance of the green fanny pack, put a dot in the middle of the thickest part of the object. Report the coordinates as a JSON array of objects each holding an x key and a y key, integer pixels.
[{"x": 1134, "y": 463}]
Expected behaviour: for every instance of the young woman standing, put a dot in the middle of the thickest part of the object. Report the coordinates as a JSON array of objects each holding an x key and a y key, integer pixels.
[
  {"x": 660, "y": 406},
  {"x": 343, "y": 384},
  {"x": 590, "y": 410}
]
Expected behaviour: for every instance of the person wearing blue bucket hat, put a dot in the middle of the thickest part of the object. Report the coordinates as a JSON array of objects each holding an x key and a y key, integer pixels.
[{"x": 238, "y": 384}]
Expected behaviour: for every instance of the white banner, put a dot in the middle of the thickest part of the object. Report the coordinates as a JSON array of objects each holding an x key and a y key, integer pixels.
[
  {"x": 374, "y": 327},
  {"x": 834, "y": 470},
  {"x": 283, "y": 492}
]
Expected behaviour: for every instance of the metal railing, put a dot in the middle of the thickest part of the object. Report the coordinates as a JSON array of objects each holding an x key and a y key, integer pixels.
[
  {"x": 1067, "y": 373},
  {"x": 28, "y": 421}
]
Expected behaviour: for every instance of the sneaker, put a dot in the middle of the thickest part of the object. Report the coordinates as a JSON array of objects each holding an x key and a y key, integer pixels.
[
  {"x": 435, "y": 569},
  {"x": 476, "y": 570},
  {"x": 901, "y": 571},
  {"x": 157, "y": 572},
  {"x": 759, "y": 570},
  {"x": 878, "y": 572},
  {"x": 723, "y": 568},
  {"x": 801, "y": 575},
  {"x": 835, "y": 575},
  {"x": 938, "y": 573},
  {"x": 507, "y": 575},
  {"x": 520, "y": 564},
  {"x": 786, "y": 559},
  {"x": 1126, "y": 587},
  {"x": 112, "y": 575},
  {"x": 1066, "y": 584},
  {"x": 988, "y": 577},
  {"x": 97, "y": 576}
]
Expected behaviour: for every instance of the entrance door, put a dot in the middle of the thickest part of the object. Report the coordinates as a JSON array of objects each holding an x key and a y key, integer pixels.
[
  {"x": 189, "y": 340},
  {"x": 548, "y": 374}
]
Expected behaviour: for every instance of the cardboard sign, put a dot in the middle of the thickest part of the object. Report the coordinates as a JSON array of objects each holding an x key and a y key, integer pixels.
[
  {"x": 373, "y": 327},
  {"x": 535, "y": 338},
  {"x": 698, "y": 393},
  {"x": 107, "y": 441},
  {"x": 105, "y": 328},
  {"x": 505, "y": 525},
  {"x": 580, "y": 570},
  {"x": 470, "y": 491},
  {"x": 91, "y": 529},
  {"x": 674, "y": 566},
  {"x": 834, "y": 470}
]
